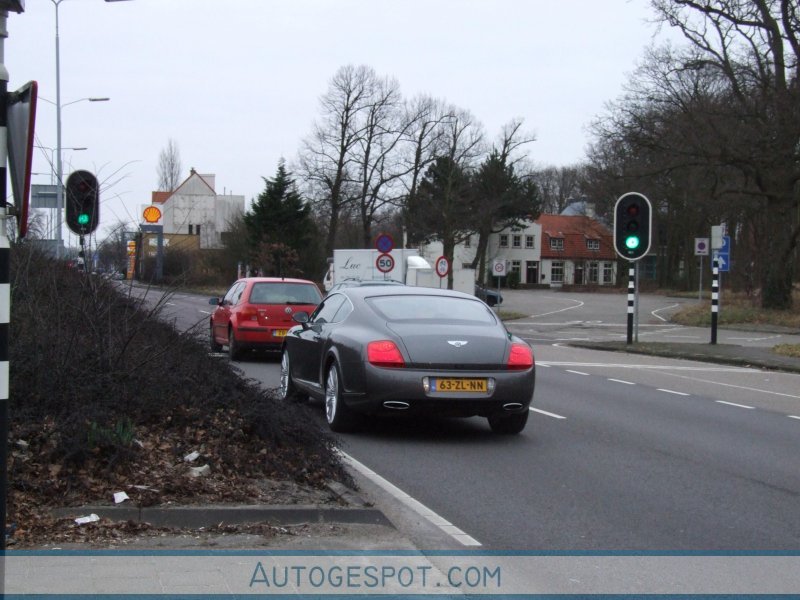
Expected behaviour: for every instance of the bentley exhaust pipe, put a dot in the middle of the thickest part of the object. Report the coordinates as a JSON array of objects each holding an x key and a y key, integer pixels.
[
  {"x": 396, "y": 405},
  {"x": 512, "y": 406}
]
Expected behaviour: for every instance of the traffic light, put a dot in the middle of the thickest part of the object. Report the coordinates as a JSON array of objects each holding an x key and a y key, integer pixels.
[
  {"x": 632, "y": 226},
  {"x": 83, "y": 202}
]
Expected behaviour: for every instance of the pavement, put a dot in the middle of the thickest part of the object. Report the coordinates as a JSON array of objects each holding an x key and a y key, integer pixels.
[{"x": 364, "y": 523}]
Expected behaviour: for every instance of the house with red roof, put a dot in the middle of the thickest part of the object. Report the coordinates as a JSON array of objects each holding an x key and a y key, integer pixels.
[
  {"x": 576, "y": 250},
  {"x": 553, "y": 250}
]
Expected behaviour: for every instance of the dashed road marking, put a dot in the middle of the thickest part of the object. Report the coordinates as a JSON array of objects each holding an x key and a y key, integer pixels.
[
  {"x": 622, "y": 381},
  {"x": 672, "y": 392},
  {"x": 576, "y": 372},
  {"x": 734, "y": 404},
  {"x": 548, "y": 414}
]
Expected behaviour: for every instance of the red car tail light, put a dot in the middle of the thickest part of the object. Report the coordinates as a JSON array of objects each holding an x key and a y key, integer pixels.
[
  {"x": 384, "y": 353},
  {"x": 520, "y": 357},
  {"x": 248, "y": 314}
]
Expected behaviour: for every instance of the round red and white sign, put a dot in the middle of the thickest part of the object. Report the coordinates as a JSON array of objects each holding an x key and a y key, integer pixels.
[
  {"x": 384, "y": 263},
  {"x": 499, "y": 268},
  {"x": 442, "y": 266}
]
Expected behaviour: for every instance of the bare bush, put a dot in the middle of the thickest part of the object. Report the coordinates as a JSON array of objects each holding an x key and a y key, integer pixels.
[{"x": 99, "y": 385}]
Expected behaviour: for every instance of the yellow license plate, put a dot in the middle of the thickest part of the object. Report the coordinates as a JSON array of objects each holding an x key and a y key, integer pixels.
[
  {"x": 459, "y": 385},
  {"x": 280, "y": 332}
]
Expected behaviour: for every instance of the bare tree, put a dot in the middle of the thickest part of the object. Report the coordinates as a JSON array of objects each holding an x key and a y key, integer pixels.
[
  {"x": 736, "y": 91},
  {"x": 326, "y": 161},
  {"x": 440, "y": 209},
  {"x": 503, "y": 198},
  {"x": 557, "y": 186},
  {"x": 376, "y": 155},
  {"x": 424, "y": 142},
  {"x": 169, "y": 167}
]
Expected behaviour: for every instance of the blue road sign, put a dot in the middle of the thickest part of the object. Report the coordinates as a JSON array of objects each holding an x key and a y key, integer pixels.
[
  {"x": 384, "y": 243},
  {"x": 723, "y": 255}
]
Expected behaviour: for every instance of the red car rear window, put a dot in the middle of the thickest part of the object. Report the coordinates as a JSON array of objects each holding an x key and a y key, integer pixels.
[{"x": 284, "y": 293}]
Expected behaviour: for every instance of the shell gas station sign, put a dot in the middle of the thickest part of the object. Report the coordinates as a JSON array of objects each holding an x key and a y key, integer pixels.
[{"x": 152, "y": 215}]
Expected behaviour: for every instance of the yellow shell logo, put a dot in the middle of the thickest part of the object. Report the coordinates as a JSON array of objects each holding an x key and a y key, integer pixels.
[{"x": 152, "y": 214}]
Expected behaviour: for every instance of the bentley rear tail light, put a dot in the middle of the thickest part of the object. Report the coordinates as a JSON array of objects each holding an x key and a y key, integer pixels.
[
  {"x": 520, "y": 357},
  {"x": 384, "y": 353}
]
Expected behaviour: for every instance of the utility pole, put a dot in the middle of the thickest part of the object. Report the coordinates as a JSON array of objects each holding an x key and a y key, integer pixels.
[{"x": 5, "y": 269}]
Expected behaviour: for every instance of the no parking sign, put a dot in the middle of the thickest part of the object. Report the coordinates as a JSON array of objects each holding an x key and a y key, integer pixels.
[{"x": 499, "y": 268}]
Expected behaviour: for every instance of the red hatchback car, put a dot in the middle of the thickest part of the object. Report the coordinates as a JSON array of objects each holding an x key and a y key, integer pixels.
[{"x": 256, "y": 313}]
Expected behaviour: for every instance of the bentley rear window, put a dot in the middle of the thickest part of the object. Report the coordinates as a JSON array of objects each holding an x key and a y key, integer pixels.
[{"x": 431, "y": 308}]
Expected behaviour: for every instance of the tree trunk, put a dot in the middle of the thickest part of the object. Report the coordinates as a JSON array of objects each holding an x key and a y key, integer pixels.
[{"x": 777, "y": 251}]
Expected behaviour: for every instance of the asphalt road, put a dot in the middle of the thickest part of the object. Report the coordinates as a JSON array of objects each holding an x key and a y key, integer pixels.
[{"x": 622, "y": 452}]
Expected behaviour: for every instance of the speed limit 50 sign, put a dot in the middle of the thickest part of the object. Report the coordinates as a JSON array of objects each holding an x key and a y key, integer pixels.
[{"x": 384, "y": 263}]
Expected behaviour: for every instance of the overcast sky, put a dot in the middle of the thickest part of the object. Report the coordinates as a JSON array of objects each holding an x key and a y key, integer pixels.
[{"x": 236, "y": 83}]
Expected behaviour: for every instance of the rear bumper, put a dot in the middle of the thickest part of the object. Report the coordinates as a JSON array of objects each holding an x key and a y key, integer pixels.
[
  {"x": 403, "y": 390},
  {"x": 260, "y": 338}
]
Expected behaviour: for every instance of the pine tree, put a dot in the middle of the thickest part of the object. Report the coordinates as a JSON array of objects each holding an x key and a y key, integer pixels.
[{"x": 280, "y": 218}]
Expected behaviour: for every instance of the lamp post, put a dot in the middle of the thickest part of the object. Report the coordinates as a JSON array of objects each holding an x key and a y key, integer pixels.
[
  {"x": 59, "y": 166},
  {"x": 53, "y": 159}
]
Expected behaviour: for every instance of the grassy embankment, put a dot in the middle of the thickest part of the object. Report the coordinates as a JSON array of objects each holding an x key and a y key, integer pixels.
[{"x": 738, "y": 309}]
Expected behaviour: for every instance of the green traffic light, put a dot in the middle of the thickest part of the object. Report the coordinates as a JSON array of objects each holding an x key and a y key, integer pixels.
[
  {"x": 632, "y": 242},
  {"x": 83, "y": 219}
]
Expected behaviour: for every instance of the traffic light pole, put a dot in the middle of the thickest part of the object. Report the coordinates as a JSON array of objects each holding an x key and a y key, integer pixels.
[
  {"x": 631, "y": 300},
  {"x": 714, "y": 301}
]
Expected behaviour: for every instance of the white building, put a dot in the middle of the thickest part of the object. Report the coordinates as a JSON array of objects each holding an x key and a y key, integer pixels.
[
  {"x": 195, "y": 209},
  {"x": 520, "y": 248},
  {"x": 554, "y": 250}
]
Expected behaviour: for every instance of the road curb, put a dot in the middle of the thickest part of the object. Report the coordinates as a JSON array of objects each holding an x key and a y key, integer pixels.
[{"x": 194, "y": 517}]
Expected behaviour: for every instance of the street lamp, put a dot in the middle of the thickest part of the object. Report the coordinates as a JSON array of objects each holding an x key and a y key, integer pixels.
[
  {"x": 59, "y": 166},
  {"x": 53, "y": 160}
]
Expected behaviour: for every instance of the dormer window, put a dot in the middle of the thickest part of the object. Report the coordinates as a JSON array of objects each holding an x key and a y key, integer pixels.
[
  {"x": 593, "y": 244},
  {"x": 556, "y": 243}
]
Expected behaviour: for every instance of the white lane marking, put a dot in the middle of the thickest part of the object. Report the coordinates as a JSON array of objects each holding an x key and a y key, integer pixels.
[
  {"x": 515, "y": 324},
  {"x": 622, "y": 381},
  {"x": 411, "y": 503},
  {"x": 730, "y": 385},
  {"x": 734, "y": 404},
  {"x": 576, "y": 372},
  {"x": 793, "y": 417},
  {"x": 553, "y": 363},
  {"x": 657, "y": 316},
  {"x": 672, "y": 392},
  {"x": 204, "y": 312},
  {"x": 578, "y": 305},
  {"x": 538, "y": 364},
  {"x": 544, "y": 412}
]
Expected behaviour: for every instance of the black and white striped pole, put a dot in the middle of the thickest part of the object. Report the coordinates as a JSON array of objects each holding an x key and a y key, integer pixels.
[
  {"x": 631, "y": 300},
  {"x": 5, "y": 281},
  {"x": 714, "y": 300}
]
